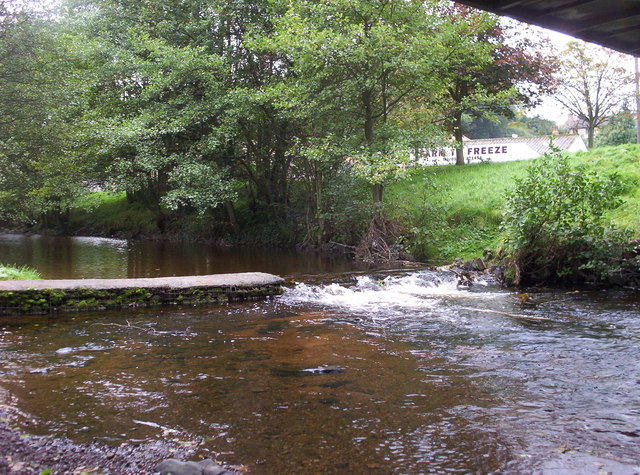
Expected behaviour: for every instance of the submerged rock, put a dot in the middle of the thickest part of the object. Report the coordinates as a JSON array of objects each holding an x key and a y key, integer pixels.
[
  {"x": 475, "y": 265},
  {"x": 324, "y": 369},
  {"x": 177, "y": 467}
]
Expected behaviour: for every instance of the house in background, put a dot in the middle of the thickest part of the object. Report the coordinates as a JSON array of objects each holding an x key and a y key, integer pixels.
[
  {"x": 576, "y": 126},
  {"x": 503, "y": 149}
]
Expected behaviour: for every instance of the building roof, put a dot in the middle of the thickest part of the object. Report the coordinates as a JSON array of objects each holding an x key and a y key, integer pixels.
[
  {"x": 611, "y": 23},
  {"x": 574, "y": 122},
  {"x": 538, "y": 144}
]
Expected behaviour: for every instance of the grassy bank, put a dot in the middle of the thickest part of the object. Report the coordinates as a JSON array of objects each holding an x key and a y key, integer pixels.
[
  {"x": 453, "y": 211},
  {"x": 450, "y": 211},
  {"x": 456, "y": 211},
  {"x": 18, "y": 273},
  {"x": 109, "y": 214}
]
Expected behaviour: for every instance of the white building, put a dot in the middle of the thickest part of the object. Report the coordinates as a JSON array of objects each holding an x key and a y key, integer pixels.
[{"x": 503, "y": 149}]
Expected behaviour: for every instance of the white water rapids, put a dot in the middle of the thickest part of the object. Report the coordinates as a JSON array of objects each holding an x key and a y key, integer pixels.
[{"x": 395, "y": 296}]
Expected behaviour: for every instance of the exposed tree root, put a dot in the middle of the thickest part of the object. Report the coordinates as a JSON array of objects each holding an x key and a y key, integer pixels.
[{"x": 380, "y": 243}]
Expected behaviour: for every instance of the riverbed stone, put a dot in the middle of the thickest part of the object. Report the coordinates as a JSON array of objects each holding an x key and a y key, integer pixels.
[
  {"x": 178, "y": 467},
  {"x": 209, "y": 467},
  {"x": 325, "y": 369},
  {"x": 474, "y": 265}
]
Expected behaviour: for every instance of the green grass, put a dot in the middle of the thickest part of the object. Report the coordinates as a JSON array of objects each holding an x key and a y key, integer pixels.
[
  {"x": 456, "y": 211},
  {"x": 18, "y": 273},
  {"x": 450, "y": 211},
  {"x": 110, "y": 214},
  {"x": 623, "y": 160}
]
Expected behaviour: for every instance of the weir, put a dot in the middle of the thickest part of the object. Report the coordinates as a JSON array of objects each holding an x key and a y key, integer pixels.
[{"x": 20, "y": 297}]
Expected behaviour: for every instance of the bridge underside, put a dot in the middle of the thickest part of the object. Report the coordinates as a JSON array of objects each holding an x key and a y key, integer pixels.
[{"x": 611, "y": 23}]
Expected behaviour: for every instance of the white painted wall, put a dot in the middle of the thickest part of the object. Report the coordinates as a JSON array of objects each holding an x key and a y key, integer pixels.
[{"x": 476, "y": 151}]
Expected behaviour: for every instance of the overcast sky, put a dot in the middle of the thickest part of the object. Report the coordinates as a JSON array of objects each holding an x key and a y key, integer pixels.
[{"x": 550, "y": 108}]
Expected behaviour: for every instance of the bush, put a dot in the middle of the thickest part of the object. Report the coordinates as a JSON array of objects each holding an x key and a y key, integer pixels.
[
  {"x": 423, "y": 215},
  {"x": 553, "y": 224}
]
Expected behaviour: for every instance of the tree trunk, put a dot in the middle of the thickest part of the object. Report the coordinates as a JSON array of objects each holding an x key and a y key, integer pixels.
[
  {"x": 377, "y": 193},
  {"x": 378, "y": 188},
  {"x": 231, "y": 214},
  {"x": 457, "y": 133}
]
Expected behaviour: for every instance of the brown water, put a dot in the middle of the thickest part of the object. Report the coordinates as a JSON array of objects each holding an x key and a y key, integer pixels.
[
  {"x": 62, "y": 257},
  {"x": 429, "y": 378}
]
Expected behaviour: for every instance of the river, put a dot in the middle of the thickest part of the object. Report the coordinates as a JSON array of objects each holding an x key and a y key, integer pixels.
[{"x": 368, "y": 374}]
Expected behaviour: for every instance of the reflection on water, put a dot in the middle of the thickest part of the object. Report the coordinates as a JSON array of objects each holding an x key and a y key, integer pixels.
[
  {"x": 62, "y": 257},
  {"x": 421, "y": 377},
  {"x": 66, "y": 257}
]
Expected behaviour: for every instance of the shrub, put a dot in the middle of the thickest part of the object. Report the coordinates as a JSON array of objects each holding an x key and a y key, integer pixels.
[{"x": 553, "y": 224}]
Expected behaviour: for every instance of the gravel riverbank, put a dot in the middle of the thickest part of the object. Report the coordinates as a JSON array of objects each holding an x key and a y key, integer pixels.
[{"x": 22, "y": 453}]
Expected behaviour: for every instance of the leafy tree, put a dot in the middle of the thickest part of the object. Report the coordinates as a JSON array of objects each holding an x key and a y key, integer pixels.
[
  {"x": 174, "y": 100},
  {"x": 592, "y": 84},
  {"x": 359, "y": 66},
  {"x": 42, "y": 172},
  {"x": 494, "y": 72},
  {"x": 619, "y": 129}
]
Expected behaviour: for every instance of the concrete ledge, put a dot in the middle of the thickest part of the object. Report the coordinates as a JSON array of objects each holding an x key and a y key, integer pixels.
[{"x": 45, "y": 296}]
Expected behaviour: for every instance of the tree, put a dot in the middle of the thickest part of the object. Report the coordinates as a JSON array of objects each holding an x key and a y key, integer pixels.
[
  {"x": 619, "y": 129},
  {"x": 178, "y": 106},
  {"x": 497, "y": 71},
  {"x": 41, "y": 171},
  {"x": 592, "y": 84},
  {"x": 357, "y": 66},
  {"x": 360, "y": 71},
  {"x": 503, "y": 126}
]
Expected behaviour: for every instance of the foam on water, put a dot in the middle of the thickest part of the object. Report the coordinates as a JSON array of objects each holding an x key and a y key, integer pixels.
[{"x": 419, "y": 291}]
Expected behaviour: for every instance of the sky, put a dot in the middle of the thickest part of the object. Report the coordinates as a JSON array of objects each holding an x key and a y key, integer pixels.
[{"x": 550, "y": 108}]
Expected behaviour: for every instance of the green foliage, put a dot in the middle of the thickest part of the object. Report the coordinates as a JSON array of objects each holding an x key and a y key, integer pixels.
[
  {"x": 8, "y": 272},
  {"x": 620, "y": 129},
  {"x": 197, "y": 184},
  {"x": 505, "y": 126},
  {"x": 111, "y": 215},
  {"x": 624, "y": 161},
  {"x": 554, "y": 227},
  {"x": 423, "y": 216},
  {"x": 453, "y": 211},
  {"x": 42, "y": 172},
  {"x": 347, "y": 209},
  {"x": 358, "y": 69}
]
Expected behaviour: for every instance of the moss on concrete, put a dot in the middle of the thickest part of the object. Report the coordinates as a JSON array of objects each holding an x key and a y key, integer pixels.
[{"x": 40, "y": 301}]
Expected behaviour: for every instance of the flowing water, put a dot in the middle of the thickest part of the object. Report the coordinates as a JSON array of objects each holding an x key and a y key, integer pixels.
[{"x": 399, "y": 374}]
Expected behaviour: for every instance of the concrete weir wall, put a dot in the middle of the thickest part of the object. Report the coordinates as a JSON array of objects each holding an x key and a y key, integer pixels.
[{"x": 19, "y": 297}]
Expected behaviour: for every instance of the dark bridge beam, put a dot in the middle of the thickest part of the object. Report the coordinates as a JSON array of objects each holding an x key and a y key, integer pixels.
[{"x": 611, "y": 23}]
